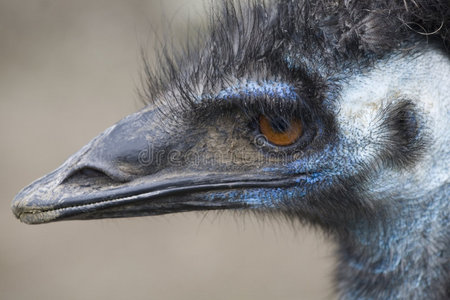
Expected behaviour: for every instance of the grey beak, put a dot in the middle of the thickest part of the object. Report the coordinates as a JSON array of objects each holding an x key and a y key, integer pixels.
[{"x": 126, "y": 171}]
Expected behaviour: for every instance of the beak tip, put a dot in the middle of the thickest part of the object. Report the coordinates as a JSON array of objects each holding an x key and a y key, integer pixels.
[
  {"x": 17, "y": 204},
  {"x": 25, "y": 207}
]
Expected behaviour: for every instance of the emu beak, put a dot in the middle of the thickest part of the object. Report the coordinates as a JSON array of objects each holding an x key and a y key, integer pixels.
[{"x": 126, "y": 171}]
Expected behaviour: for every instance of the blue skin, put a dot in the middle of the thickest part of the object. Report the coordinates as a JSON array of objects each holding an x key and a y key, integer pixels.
[
  {"x": 258, "y": 198},
  {"x": 265, "y": 197}
]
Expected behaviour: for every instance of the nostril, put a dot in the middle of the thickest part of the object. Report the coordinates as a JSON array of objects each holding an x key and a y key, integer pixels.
[
  {"x": 90, "y": 172},
  {"x": 88, "y": 176}
]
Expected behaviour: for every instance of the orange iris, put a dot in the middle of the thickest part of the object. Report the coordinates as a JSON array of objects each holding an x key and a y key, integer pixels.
[{"x": 281, "y": 138}]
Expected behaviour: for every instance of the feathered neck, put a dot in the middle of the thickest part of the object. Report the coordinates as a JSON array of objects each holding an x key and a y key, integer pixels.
[{"x": 403, "y": 254}]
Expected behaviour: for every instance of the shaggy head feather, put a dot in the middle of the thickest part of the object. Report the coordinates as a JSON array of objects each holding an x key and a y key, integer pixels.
[{"x": 264, "y": 40}]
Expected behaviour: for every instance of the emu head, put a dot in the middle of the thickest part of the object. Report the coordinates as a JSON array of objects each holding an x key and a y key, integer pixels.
[{"x": 336, "y": 113}]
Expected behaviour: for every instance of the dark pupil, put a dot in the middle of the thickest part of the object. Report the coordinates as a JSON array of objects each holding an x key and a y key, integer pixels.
[{"x": 279, "y": 124}]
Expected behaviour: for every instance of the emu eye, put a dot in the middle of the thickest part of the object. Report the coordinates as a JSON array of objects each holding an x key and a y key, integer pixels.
[{"x": 281, "y": 132}]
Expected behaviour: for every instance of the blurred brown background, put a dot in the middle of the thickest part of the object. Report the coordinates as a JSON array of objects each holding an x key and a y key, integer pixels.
[{"x": 68, "y": 70}]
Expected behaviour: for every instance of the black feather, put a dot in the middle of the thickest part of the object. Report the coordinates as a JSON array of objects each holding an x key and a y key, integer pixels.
[{"x": 253, "y": 39}]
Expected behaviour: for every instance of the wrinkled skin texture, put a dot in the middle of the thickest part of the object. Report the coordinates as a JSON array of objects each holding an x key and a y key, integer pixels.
[{"x": 371, "y": 167}]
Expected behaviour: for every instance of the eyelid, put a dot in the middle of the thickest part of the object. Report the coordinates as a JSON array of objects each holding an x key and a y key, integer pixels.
[
  {"x": 268, "y": 97},
  {"x": 255, "y": 90}
]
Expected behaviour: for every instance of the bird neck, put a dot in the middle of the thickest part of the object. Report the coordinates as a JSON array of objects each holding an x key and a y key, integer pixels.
[{"x": 402, "y": 255}]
